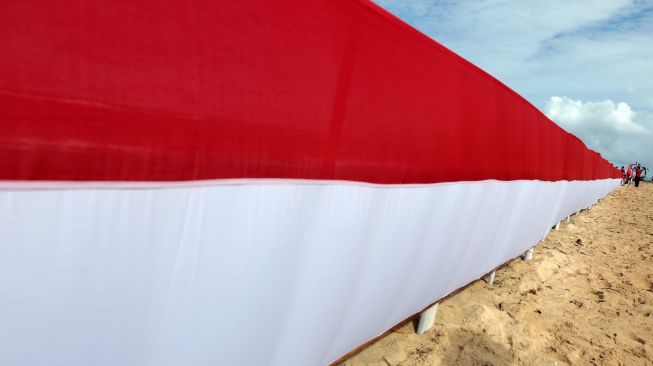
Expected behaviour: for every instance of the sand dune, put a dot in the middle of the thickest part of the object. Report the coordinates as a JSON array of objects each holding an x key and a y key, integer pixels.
[{"x": 586, "y": 298}]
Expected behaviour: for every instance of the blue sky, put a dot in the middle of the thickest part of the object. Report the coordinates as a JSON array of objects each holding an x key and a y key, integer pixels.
[{"x": 587, "y": 64}]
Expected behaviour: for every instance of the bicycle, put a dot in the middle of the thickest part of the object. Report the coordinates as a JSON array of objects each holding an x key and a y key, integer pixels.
[{"x": 625, "y": 180}]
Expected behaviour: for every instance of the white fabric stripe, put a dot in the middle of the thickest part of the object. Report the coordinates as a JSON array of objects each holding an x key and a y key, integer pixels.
[
  {"x": 249, "y": 274},
  {"x": 19, "y": 185}
]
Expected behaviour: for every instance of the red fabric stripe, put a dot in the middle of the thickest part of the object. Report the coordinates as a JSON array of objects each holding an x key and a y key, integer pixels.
[{"x": 151, "y": 91}]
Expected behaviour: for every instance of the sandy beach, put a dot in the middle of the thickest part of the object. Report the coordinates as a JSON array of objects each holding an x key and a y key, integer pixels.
[{"x": 586, "y": 298}]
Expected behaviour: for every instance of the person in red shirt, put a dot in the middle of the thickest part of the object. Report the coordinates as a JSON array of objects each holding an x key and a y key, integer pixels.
[{"x": 638, "y": 175}]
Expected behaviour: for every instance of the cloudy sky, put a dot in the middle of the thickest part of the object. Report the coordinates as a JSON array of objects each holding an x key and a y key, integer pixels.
[{"x": 587, "y": 64}]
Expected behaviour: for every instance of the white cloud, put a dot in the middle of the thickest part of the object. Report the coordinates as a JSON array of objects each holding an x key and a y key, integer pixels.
[
  {"x": 605, "y": 115},
  {"x": 608, "y": 127}
]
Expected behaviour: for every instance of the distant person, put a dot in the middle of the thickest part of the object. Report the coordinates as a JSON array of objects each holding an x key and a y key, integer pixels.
[
  {"x": 627, "y": 175},
  {"x": 638, "y": 175}
]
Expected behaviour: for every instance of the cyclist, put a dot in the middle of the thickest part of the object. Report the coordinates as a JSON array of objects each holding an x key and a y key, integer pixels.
[{"x": 625, "y": 176}]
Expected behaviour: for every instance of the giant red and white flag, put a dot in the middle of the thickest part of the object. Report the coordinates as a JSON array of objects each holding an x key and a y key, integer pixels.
[{"x": 253, "y": 182}]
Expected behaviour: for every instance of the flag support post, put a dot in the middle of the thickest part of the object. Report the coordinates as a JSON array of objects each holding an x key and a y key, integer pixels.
[
  {"x": 427, "y": 318},
  {"x": 490, "y": 277}
]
